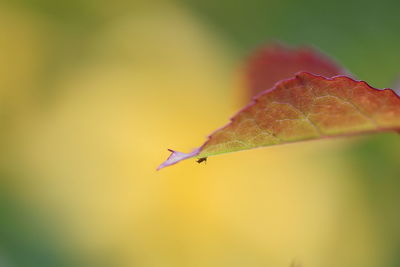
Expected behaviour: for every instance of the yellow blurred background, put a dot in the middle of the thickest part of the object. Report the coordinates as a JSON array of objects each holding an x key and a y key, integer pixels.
[{"x": 93, "y": 93}]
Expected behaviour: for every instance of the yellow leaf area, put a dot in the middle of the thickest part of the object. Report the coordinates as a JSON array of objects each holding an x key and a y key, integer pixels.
[
  {"x": 83, "y": 159},
  {"x": 307, "y": 107}
]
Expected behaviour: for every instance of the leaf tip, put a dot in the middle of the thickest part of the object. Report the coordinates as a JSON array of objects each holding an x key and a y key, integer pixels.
[{"x": 177, "y": 156}]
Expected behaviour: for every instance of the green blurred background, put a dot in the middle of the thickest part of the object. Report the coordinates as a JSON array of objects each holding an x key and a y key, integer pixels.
[{"x": 93, "y": 92}]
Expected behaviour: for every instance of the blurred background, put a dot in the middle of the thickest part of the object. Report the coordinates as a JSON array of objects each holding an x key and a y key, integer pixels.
[{"x": 93, "y": 92}]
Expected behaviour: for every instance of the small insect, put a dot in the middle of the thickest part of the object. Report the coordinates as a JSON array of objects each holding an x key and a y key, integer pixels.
[{"x": 200, "y": 160}]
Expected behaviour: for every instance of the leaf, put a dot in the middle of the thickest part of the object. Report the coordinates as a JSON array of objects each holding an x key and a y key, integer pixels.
[
  {"x": 277, "y": 62},
  {"x": 303, "y": 108},
  {"x": 396, "y": 87}
]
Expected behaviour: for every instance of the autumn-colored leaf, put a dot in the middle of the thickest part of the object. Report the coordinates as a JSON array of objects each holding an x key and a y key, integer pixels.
[
  {"x": 277, "y": 62},
  {"x": 303, "y": 108}
]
